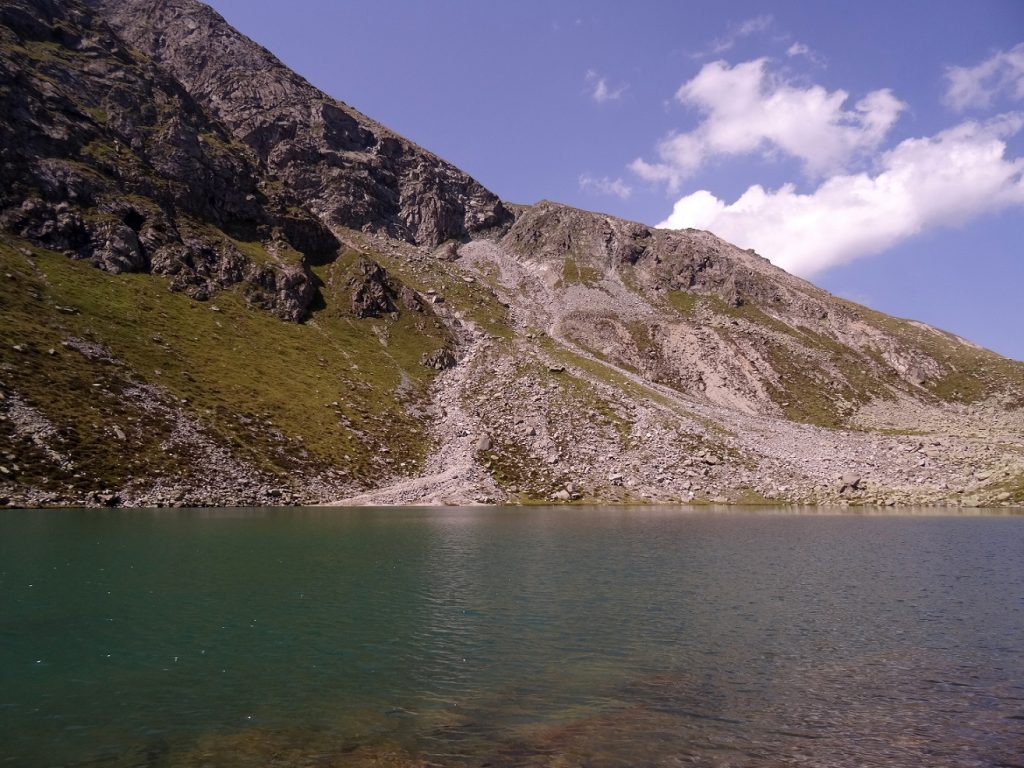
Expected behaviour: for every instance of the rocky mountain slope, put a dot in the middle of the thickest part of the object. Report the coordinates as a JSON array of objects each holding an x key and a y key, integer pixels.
[
  {"x": 346, "y": 168},
  {"x": 223, "y": 286}
]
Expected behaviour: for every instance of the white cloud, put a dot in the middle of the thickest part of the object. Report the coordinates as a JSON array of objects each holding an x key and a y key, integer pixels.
[
  {"x": 753, "y": 25},
  {"x": 800, "y": 49},
  {"x": 944, "y": 180},
  {"x": 737, "y": 32},
  {"x": 599, "y": 89},
  {"x": 605, "y": 186},
  {"x": 977, "y": 86},
  {"x": 747, "y": 109}
]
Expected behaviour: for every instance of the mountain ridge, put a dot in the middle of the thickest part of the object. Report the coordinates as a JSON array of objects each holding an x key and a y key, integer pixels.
[
  {"x": 351, "y": 318},
  {"x": 417, "y": 194}
]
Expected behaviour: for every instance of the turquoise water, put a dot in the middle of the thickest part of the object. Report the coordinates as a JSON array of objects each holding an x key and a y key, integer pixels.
[{"x": 548, "y": 636}]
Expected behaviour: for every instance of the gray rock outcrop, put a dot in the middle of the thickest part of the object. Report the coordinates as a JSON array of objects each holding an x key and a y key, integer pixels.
[{"x": 347, "y": 168}]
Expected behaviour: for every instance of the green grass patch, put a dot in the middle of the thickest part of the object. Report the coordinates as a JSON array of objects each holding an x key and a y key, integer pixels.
[
  {"x": 750, "y": 497},
  {"x": 1014, "y": 486},
  {"x": 581, "y": 395},
  {"x": 683, "y": 302},
  {"x": 527, "y": 480},
  {"x": 260, "y": 385},
  {"x": 804, "y": 393},
  {"x": 609, "y": 374},
  {"x": 574, "y": 273},
  {"x": 640, "y": 333},
  {"x": 475, "y": 301},
  {"x": 970, "y": 373}
]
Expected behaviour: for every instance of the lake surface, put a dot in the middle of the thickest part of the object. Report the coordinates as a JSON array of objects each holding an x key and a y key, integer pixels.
[{"x": 501, "y": 637}]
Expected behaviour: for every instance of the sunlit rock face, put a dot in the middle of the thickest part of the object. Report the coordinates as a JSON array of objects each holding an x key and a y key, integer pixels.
[{"x": 349, "y": 169}]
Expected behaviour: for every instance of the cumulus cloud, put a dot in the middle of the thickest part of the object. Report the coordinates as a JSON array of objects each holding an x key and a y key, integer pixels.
[
  {"x": 737, "y": 32},
  {"x": 599, "y": 89},
  {"x": 978, "y": 86},
  {"x": 944, "y": 180},
  {"x": 748, "y": 109},
  {"x": 605, "y": 186}
]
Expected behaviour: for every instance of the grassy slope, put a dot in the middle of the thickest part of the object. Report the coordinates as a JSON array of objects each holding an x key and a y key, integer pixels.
[
  {"x": 808, "y": 393},
  {"x": 262, "y": 386},
  {"x": 971, "y": 373}
]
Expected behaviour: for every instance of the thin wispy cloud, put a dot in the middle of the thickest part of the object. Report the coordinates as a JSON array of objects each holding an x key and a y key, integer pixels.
[
  {"x": 1001, "y": 75},
  {"x": 948, "y": 179},
  {"x": 599, "y": 89},
  {"x": 737, "y": 32},
  {"x": 747, "y": 109},
  {"x": 798, "y": 49},
  {"x": 605, "y": 186}
]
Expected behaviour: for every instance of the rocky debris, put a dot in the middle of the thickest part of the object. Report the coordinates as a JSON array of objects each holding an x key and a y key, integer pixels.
[
  {"x": 849, "y": 483},
  {"x": 287, "y": 290},
  {"x": 689, "y": 309},
  {"x": 452, "y": 474},
  {"x": 90, "y": 350},
  {"x": 440, "y": 359},
  {"x": 559, "y": 431},
  {"x": 411, "y": 299},
  {"x": 105, "y": 498},
  {"x": 116, "y": 248},
  {"x": 217, "y": 477},
  {"x": 448, "y": 251},
  {"x": 30, "y": 423}
]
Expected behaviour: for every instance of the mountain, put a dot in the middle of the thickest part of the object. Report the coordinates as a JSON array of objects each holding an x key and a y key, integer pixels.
[{"x": 223, "y": 286}]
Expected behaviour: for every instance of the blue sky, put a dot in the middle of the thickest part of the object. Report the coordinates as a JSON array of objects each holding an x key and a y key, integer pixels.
[{"x": 873, "y": 147}]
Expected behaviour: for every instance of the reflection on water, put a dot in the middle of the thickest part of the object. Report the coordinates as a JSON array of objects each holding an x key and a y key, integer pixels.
[{"x": 598, "y": 637}]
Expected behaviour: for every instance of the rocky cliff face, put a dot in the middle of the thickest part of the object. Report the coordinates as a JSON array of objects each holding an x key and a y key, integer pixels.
[
  {"x": 350, "y": 317},
  {"x": 342, "y": 165},
  {"x": 108, "y": 159}
]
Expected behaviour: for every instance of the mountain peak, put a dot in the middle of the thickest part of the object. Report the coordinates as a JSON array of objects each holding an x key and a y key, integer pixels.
[{"x": 347, "y": 168}]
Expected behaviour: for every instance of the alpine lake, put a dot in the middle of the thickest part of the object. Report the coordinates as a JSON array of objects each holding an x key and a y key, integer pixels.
[{"x": 516, "y": 636}]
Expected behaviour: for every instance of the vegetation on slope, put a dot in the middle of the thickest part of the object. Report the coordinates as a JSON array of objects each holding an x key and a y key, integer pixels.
[
  {"x": 969, "y": 373},
  {"x": 285, "y": 398}
]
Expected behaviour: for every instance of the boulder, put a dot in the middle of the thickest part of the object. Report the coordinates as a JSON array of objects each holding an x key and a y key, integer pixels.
[
  {"x": 411, "y": 299},
  {"x": 440, "y": 359},
  {"x": 849, "y": 482},
  {"x": 372, "y": 295}
]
